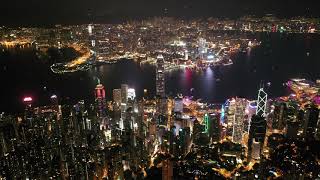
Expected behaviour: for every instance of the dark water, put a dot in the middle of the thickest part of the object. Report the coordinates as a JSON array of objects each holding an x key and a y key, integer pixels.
[{"x": 279, "y": 58}]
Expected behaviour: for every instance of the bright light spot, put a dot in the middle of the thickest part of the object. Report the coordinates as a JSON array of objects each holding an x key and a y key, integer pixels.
[{"x": 27, "y": 99}]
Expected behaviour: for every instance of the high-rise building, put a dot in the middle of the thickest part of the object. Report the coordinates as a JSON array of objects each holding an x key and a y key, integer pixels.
[
  {"x": 257, "y": 131},
  {"x": 101, "y": 100},
  {"x": 178, "y": 105},
  {"x": 92, "y": 39},
  {"x": 124, "y": 93},
  {"x": 238, "y": 120},
  {"x": 262, "y": 102},
  {"x": 131, "y": 94},
  {"x": 279, "y": 116},
  {"x": 256, "y": 150},
  {"x": 28, "y": 116},
  {"x": 186, "y": 55},
  {"x": 160, "y": 81},
  {"x": 292, "y": 128},
  {"x": 230, "y": 106},
  {"x": 202, "y": 47},
  {"x": 117, "y": 96},
  {"x": 167, "y": 170},
  {"x": 214, "y": 127},
  {"x": 311, "y": 122}
]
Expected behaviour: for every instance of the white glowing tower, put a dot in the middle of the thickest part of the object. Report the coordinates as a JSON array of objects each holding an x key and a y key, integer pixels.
[{"x": 262, "y": 102}]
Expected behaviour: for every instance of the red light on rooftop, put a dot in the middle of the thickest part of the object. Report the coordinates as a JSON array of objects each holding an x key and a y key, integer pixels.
[{"x": 27, "y": 99}]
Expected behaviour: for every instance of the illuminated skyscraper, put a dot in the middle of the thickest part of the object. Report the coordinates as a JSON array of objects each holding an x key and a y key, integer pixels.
[
  {"x": 279, "y": 116},
  {"x": 214, "y": 127},
  {"x": 238, "y": 120},
  {"x": 257, "y": 132},
  {"x": 206, "y": 123},
  {"x": 101, "y": 100},
  {"x": 90, "y": 29},
  {"x": 178, "y": 105},
  {"x": 124, "y": 93},
  {"x": 28, "y": 116},
  {"x": 117, "y": 96},
  {"x": 160, "y": 81},
  {"x": 202, "y": 47},
  {"x": 311, "y": 122},
  {"x": 256, "y": 150},
  {"x": 262, "y": 102},
  {"x": 92, "y": 38},
  {"x": 131, "y": 94},
  {"x": 229, "y": 116}
]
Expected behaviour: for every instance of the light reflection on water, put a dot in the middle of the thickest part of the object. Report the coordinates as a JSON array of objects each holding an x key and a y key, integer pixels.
[{"x": 277, "y": 60}]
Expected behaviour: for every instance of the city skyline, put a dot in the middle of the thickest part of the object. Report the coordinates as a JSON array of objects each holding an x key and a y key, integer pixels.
[{"x": 171, "y": 90}]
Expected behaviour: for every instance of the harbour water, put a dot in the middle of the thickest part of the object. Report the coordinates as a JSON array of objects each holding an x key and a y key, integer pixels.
[{"x": 279, "y": 58}]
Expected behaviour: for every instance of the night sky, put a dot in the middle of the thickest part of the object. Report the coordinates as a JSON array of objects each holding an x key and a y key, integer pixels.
[{"x": 46, "y": 12}]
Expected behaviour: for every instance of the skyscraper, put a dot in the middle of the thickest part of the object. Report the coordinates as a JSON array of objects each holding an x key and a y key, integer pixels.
[
  {"x": 131, "y": 94},
  {"x": 28, "y": 110},
  {"x": 92, "y": 39},
  {"x": 160, "y": 82},
  {"x": 202, "y": 47},
  {"x": 279, "y": 116},
  {"x": 257, "y": 131},
  {"x": 262, "y": 102},
  {"x": 124, "y": 93},
  {"x": 214, "y": 127},
  {"x": 311, "y": 122},
  {"x": 238, "y": 120},
  {"x": 101, "y": 100},
  {"x": 117, "y": 96}
]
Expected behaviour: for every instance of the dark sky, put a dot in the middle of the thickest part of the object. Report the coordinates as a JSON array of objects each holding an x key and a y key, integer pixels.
[{"x": 41, "y": 12}]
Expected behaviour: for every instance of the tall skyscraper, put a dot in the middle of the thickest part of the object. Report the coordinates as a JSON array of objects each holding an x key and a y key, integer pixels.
[
  {"x": 92, "y": 40},
  {"x": 311, "y": 122},
  {"x": 178, "y": 105},
  {"x": 117, "y": 96},
  {"x": 101, "y": 100},
  {"x": 28, "y": 116},
  {"x": 256, "y": 150},
  {"x": 131, "y": 94},
  {"x": 214, "y": 127},
  {"x": 124, "y": 93},
  {"x": 160, "y": 81},
  {"x": 230, "y": 106},
  {"x": 279, "y": 116},
  {"x": 202, "y": 47},
  {"x": 238, "y": 120},
  {"x": 262, "y": 102},
  {"x": 257, "y": 132}
]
